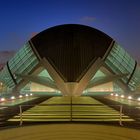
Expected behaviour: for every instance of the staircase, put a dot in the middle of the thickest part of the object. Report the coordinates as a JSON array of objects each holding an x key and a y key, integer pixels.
[{"x": 62, "y": 109}]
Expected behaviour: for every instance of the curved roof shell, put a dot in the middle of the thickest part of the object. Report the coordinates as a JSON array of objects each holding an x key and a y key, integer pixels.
[{"x": 71, "y": 49}]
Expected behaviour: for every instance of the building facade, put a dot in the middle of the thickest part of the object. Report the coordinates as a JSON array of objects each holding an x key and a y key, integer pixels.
[{"x": 71, "y": 59}]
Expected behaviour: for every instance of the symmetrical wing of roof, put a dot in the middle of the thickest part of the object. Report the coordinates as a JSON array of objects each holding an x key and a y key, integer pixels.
[{"x": 72, "y": 55}]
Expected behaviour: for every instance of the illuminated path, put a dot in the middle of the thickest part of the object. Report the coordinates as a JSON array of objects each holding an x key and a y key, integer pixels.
[
  {"x": 70, "y": 132},
  {"x": 17, "y": 101},
  {"x": 10, "y": 108},
  {"x": 124, "y": 101},
  {"x": 129, "y": 107},
  {"x": 67, "y": 109}
]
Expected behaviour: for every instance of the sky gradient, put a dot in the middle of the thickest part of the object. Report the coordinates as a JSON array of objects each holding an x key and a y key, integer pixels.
[{"x": 21, "y": 19}]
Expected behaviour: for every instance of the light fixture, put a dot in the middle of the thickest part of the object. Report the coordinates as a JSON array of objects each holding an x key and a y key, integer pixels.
[
  {"x": 111, "y": 94},
  {"x": 129, "y": 97},
  {"x": 122, "y": 96},
  {"x": 116, "y": 95},
  {"x": 2, "y": 99},
  {"x": 20, "y": 96},
  {"x": 31, "y": 94},
  {"x": 13, "y": 97},
  {"x": 138, "y": 99},
  {"x": 26, "y": 95}
]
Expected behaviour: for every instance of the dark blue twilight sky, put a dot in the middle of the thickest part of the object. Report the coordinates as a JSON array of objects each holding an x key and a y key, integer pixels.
[{"x": 20, "y": 19}]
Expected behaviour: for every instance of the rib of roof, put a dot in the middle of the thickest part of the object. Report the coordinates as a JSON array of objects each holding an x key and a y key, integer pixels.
[{"x": 71, "y": 48}]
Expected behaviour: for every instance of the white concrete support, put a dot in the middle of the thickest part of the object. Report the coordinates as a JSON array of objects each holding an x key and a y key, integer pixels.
[{"x": 72, "y": 88}]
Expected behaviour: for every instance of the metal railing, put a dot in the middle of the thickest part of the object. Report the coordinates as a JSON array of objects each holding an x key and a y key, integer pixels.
[{"x": 71, "y": 111}]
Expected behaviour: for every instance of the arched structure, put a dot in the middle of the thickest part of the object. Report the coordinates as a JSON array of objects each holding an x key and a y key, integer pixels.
[{"x": 71, "y": 59}]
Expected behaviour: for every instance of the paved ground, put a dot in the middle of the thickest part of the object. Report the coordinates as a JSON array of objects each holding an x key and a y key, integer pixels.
[
  {"x": 69, "y": 132},
  {"x": 124, "y": 101},
  {"x": 17, "y": 101},
  {"x": 9, "y": 109}
]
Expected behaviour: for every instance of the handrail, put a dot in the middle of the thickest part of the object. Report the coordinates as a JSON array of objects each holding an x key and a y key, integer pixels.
[
  {"x": 121, "y": 109},
  {"x": 71, "y": 115},
  {"x": 20, "y": 109}
]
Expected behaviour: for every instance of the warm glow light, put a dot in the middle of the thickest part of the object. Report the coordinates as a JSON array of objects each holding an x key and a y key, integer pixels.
[
  {"x": 31, "y": 94},
  {"x": 122, "y": 96},
  {"x": 2, "y": 99},
  {"x": 20, "y": 96},
  {"x": 13, "y": 97},
  {"x": 139, "y": 99},
  {"x": 26, "y": 95},
  {"x": 129, "y": 97},
  {"x": 111, "y": 94},
  {"x": 116, "y": 95}
]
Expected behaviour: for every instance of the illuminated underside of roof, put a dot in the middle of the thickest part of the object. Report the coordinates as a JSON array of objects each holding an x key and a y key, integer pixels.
[{"x": 71, "y": 48}]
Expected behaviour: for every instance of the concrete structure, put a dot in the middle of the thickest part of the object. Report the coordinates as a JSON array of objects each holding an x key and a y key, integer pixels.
[{"x": 71, "y": 59}]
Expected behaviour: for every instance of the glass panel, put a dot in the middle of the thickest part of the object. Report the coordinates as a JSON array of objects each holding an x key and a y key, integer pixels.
[
  {"x": 120, "y": 62},
  {"x": 6, "y": 78},
  {"x": 45, "y": 73},
  {"x": 23, "y": 62},
  {"x": 135, "y": 80}
]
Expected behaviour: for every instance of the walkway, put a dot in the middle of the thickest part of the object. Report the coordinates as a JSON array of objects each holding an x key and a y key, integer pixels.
[
  {"x": 71, "y": 109},
  {"x": 70, "y": 132}
]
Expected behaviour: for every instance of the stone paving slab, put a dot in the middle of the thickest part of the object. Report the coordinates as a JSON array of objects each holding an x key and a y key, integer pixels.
[{"x": 70, "y": 132}]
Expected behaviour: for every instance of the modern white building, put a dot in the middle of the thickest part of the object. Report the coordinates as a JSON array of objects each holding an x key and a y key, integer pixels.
[{"x": 71, "y": 59}]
